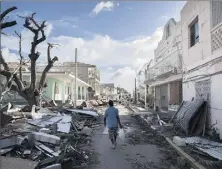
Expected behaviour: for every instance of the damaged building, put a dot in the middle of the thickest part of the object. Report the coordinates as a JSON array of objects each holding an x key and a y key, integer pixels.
[
  {"x": 188, "y": 61},
  {"x": 164, "y": 77}
]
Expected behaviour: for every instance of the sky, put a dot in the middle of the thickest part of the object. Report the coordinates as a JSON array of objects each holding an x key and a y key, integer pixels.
[{"x": 119, "y": 37}]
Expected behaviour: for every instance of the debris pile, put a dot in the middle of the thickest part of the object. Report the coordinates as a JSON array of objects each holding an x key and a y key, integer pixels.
[
  {"x": 46, "y": 139},
  {"x": 188, "y": 128}
]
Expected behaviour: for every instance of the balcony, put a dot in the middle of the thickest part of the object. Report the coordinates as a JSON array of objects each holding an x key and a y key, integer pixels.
[
  {"x": 168, "y": 66},
  {"x": 216, "y": 37}
]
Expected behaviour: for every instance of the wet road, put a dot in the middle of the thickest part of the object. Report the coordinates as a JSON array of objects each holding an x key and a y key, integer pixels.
[{"x": 126, "y": 155}]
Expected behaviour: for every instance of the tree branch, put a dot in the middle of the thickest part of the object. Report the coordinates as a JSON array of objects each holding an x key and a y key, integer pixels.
[
  {"x": 20, "y": 54},
  {"x": 3, "y": 15},
  {"x": 8, "y": 24},
  {"x": 6, "y": 12},
  {"x": 14, "y": 76},
  {"x": 3, "y": 62},
  {"x": 48, "y": 67},
  {"x": 36, "y": 29}
]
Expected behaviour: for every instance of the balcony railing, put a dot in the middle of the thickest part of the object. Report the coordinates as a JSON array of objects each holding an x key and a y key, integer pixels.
[
  {"x": 216, "y": 37},
  {"x": 169, "y": 65}
]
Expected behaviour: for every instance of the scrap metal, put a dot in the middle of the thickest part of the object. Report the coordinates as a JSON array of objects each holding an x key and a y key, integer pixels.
[
  {"x": 212, "y": 148},
  {"x": 187, "y": 113}
]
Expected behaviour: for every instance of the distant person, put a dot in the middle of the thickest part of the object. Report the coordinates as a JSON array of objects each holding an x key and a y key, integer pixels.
[{"x": 112, "y": 117}]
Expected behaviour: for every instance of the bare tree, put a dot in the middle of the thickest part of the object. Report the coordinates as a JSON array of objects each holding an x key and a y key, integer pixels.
[{"x": 14, "y": 82}]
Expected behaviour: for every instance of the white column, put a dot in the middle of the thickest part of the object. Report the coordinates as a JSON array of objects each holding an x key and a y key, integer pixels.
[
  {"x": 72, "y": 91},
  {"x": 80, "y": 92},
  {"x": 63, "y": 92}
]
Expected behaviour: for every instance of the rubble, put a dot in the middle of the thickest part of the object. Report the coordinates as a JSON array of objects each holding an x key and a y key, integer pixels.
[
  {"x": 188, "y": 120},
  {"x": 45, "y": 138},
  {"x": 54, "y": 166}
]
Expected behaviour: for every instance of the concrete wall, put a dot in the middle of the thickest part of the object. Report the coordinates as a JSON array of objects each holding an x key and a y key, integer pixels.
[
  {"x": 49, "y": 91},
  {"x": 203, "y": 64},
  {"x": 201, "y": 50},
  {"x": 167, "y": 45}
]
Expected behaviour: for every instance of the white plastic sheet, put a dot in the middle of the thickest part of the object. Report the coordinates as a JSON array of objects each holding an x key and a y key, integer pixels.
[
  {"x": 121, "y": 134},
  {"x": 106, "y": 130}
]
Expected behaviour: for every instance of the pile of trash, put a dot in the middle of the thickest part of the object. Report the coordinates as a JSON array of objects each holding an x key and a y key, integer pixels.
[{"x": 45, "y": 139}]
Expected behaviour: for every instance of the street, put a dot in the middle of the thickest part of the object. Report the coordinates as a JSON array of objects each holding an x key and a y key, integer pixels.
[{"x": 141, "y": 148}]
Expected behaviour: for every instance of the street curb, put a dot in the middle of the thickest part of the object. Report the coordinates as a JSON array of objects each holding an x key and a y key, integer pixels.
[{"x": 191, "y": 161}]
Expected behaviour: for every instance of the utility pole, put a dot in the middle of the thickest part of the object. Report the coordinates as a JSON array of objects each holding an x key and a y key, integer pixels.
[
  {"x": 75, "y": 76},
  {"x": 135, "y": 93}
]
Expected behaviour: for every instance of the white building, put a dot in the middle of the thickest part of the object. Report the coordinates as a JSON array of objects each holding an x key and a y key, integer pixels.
[
  {"x": 108, "y": 91},
  {"x": 201, "y": 23},
  {"x": 86, "y": 72},
  {"x": 61, "y": 86},
  {"x": 164, "y": 78}
]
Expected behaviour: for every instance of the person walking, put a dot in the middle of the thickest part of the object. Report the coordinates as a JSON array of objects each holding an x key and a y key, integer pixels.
[{"x": 113, "y": 120}]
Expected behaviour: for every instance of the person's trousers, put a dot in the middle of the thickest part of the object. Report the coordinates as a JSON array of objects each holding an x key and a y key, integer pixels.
[{"x": 113, "y": 132}]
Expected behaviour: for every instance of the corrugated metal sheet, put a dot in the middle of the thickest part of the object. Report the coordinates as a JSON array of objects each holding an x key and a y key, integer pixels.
[
  {"x": 186, "y": 113},
  {"x": 212, "y": 148}
]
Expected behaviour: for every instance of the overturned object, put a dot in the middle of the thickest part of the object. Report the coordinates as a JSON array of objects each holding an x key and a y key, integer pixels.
[{"x": 191, "y": 117}]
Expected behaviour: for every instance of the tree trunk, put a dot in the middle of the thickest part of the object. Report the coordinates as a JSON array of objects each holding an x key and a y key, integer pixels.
[{"x": 31, "y": 99}]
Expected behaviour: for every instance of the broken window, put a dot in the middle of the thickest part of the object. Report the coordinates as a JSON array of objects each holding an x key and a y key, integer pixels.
[{"x": 194, "y": 32}]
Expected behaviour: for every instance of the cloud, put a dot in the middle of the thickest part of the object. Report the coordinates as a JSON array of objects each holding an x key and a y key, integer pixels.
[
  {"x": 165, "y": 18},
  {"x": 101, "y": 50},
  {"x": 66, "y": 21},
  {"x": 9, "y": 56},
  {"x": 103, "y": 6},
  {"x": 110, "y": 68}
]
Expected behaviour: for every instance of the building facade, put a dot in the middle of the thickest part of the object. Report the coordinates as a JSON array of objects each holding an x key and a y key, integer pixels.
[
  {"x": 108, "y": 91},
  {"x": 164, "y": 77},
  {"x": 201, "y": 23},
  {"x": 86, "y": 72},
  {"x": 61, "y": 86}
]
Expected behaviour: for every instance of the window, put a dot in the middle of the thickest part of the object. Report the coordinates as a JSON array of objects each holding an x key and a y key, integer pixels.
[
  {"x": 194, "y": 32},
  {"x": 79, "y": 94},
  {"x": 83, "y": 93}
]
